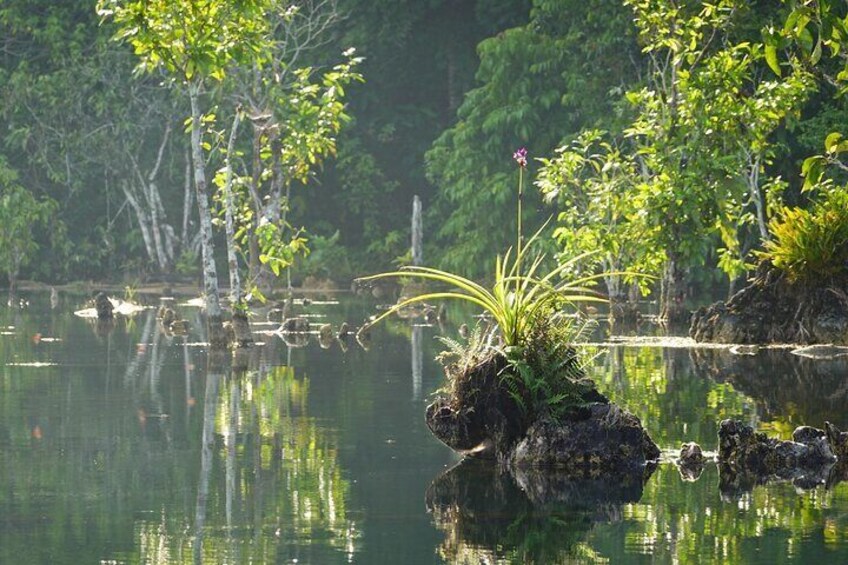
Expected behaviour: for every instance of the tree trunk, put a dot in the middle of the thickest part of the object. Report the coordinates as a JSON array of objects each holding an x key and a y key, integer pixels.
[
  {"x": 256, "y": 179},
  {"x": 241, "y": 326},
  {"x": 141, "y": 218},
  {"x": 13, "y": 286},
  {"x": 162, "y": 258},
  {"x": 214, "y": 322},
  {"x": 672, "y": 308},
  {"x": 185, "y": 239},
  {"x": 757, "y": 195},
  {"x": 229, "y": 216}
]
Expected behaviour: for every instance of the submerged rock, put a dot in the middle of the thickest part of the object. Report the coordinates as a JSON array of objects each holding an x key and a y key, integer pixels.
[
  {"x": 295, "y": 325},
  {"x": 821, "y": 351},
  {"x": 691, "y": 461}
]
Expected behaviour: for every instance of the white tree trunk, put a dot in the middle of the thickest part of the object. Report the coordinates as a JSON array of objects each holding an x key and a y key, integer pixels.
[
  {"x": 185, "y": 238},
  {"x": 757, "y": 195},
  {"x": 229, "y": 216},
  {"x": 210, "y": 274},
  {"x": 142, "y": 219}
]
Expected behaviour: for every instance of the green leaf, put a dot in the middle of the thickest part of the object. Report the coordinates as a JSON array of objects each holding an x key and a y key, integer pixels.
[
  {"x": 771, "y": 58},
  {"x": 831, "y": 142},
  {"x": 817, "y": 52}
]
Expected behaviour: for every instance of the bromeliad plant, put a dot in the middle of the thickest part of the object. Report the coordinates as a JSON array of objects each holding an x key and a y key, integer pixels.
[
  {"x": 518, "y": 296},
  {"x": 530, "y": 344}
]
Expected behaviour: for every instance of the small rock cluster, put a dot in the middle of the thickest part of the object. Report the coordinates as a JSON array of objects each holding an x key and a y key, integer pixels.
[
  {"x": 747, "y": 458},
  {"x": 740, "y": 446}
]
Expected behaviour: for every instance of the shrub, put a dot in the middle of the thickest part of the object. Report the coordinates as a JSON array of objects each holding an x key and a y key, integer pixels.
[{"x": 812, "y": 243}]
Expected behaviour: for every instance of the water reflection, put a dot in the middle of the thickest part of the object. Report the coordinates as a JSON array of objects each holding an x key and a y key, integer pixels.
[
  {"x": 790, "y": 390},
  {"x": 269, "y": 481},
  {"x": 676, "y": 400},
  {"x": 137, "y": 448},
  {"x": 134, "y": 447},
  {"x": 489, "y": 515}
]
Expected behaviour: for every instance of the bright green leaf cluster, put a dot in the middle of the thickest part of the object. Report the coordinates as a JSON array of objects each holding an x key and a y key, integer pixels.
[{"x": 811, "y": 244}]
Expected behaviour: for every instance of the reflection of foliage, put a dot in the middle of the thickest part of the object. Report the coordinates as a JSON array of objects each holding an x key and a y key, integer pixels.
[
  {"x": 284, "y": 469},
  {"x": 103, "y": 464},
  {"x": 789, "y": 390},
  {"x": 689, "y": 523},
  {"x": 674, "y": 402}
]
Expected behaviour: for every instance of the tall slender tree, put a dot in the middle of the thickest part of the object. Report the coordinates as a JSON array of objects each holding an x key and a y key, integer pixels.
[{"x": 195, "y": 42}]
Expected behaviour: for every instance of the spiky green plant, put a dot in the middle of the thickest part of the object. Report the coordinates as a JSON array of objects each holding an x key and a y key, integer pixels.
[
  {"x": 542, "y": 369},
  {"x": 515, "y": 297},
  {"x": 813, "y": 243}
]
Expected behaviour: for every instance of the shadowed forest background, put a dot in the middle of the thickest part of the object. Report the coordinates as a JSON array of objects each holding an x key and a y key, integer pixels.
[{"x": 449, "y": 90}]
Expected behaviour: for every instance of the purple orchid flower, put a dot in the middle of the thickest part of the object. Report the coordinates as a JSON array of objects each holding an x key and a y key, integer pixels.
[{"x": 520, "y": 157}]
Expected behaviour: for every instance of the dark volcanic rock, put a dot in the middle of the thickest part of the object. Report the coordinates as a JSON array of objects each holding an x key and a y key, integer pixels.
[
  {"x": 691, "y": 454},
  {"x": 481, "y": 418},
  {"x": 103, "y": 306},
  {"x": 740, "y": 446},
  {"x": 773, "y": 309},
  {"x": 838, "y": 442},
  {"x": 747, "y": 459},
  {"x": 610, "y": 441},
  {"x": 691, "y": 461},
  {"x": 295, "y": 325}
]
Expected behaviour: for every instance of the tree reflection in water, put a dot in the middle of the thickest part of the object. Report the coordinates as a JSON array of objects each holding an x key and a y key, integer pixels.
[
  {"x": 269, "y": 483},
  {"x": 537, "y": 516}
]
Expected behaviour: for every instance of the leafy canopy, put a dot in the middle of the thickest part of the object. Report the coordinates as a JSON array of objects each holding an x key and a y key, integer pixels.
[
  {"x": 190, "y": 39},
  {"x": 20, "y": 214}
]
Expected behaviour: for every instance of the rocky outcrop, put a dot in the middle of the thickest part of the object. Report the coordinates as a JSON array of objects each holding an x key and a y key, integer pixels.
[
  {"x": 746, "y": 458},
  {"x": 593, "y": 438},
  {"x": 741, "y": 447},
  {"x": 479, "y": 417},
  {"x": 609, "y": 441},
  {"x": 773, "y": 309}
]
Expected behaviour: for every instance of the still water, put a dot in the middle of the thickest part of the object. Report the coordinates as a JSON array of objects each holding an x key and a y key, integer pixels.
[{"x": 124, "y": 445}]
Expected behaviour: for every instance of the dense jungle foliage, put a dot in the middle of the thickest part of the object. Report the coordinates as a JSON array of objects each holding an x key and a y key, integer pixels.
[{"x": 666, "y": 135}]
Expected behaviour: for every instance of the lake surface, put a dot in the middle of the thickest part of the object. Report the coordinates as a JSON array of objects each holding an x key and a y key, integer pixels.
[{"x": 124, "y": 445}]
